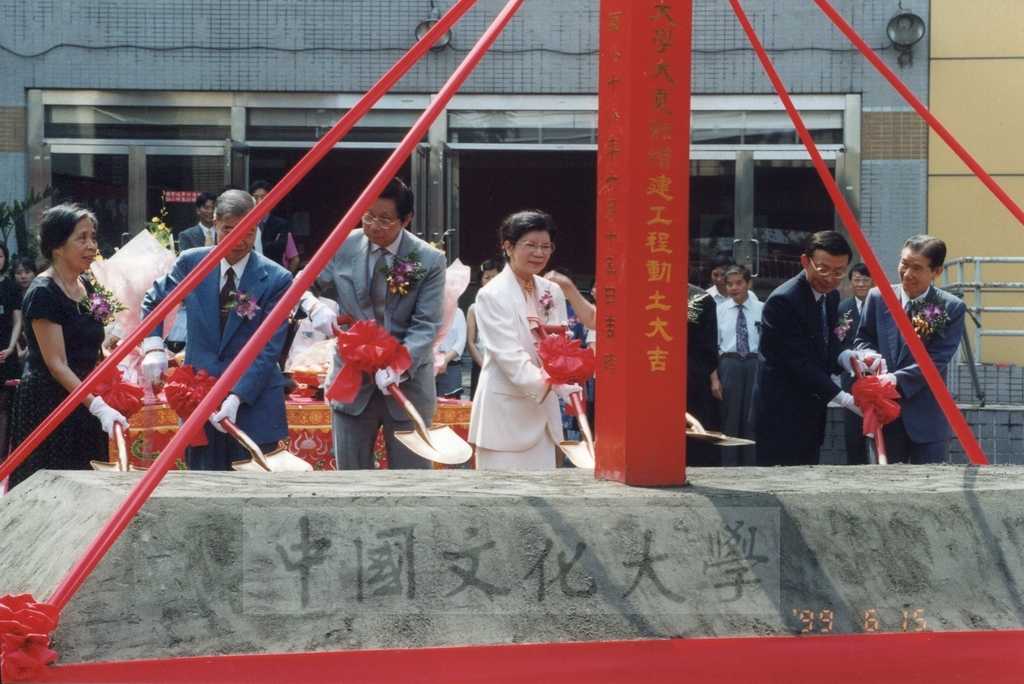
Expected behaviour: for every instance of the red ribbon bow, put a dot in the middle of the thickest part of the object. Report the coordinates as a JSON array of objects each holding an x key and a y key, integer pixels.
[
  {"x": 25, "y": 626},
  {"x": 122, "y": 396},
  {"x": 365, "y": 347},
  {"x": 566, "y": 362},
  {"x": 185, "y": 391},
  {"x": 876, "y": 400}
]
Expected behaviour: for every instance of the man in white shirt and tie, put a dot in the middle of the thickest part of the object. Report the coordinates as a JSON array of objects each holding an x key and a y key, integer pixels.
[
  {"x": 846, "y": 330},
  {"x": 739, "y": 332}
]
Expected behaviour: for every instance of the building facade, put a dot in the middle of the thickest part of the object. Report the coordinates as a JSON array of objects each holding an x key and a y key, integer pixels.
[{"x": 131, "y": 107}]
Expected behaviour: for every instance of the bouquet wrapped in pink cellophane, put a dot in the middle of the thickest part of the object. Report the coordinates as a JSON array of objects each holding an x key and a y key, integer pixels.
[
  {"x": 129, "y": 274},
  {"x": 456, "y": 280}
]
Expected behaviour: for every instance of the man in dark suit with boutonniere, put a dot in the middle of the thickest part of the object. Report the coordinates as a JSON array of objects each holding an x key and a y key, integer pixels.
[
  {"x": 411, "y": 308},
  {"x": 921, "y": 433},
  {"x": 799, "y": 352}
]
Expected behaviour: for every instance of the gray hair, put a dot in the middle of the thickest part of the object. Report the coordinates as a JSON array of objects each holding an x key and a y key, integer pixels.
[{"x": 233, "y": 203}]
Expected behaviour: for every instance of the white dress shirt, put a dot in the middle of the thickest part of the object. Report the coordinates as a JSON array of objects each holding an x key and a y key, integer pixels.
[
  {"x": 721, "y": 298},
  {"x": 238, "y": 268},
  {"x": 456, "y": 337},
  {"x": 727, "y": 313}
]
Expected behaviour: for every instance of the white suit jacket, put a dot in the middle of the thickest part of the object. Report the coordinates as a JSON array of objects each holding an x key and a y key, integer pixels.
[{"x": 513, "y": 405}]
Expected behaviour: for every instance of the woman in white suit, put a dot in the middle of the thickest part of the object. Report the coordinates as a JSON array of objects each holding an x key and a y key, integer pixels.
[{"x": 515, "y": 421}]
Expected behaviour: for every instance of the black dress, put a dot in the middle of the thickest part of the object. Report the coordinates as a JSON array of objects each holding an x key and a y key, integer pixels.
[
  {"x": 80, "y": 437},
  {"x": 10, "y": 301}
]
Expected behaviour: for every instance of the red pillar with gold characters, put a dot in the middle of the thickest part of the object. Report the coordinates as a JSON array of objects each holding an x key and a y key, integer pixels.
[{"x": 643, "y": 239}]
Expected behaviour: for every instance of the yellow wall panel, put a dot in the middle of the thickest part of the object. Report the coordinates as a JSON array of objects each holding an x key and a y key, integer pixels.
[
  {"x": 979, "y": 102},
  {"x": 977, "y": 28}
]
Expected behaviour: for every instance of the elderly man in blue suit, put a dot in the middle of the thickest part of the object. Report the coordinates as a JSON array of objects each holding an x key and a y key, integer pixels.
[
  {"x": 921, "y": 433},
  {"x": 799, "y": 352},
  {"x": 224, "y": 311},
  {"x": 359, "y": 274}
]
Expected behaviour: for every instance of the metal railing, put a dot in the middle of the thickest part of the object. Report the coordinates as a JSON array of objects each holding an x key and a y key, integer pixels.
[{"x": 977, "y": 286}]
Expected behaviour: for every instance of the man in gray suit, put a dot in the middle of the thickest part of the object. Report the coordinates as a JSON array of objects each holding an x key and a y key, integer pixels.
[
  {"x": 921, "y": 433},
  {"x": 358, "y": 273},
  {"x": 203, "y": 234}
]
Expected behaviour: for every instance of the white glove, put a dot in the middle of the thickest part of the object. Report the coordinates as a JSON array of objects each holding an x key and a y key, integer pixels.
[
  {"x": 845, "y": 399},
  {"x": 888, "y": 378},
  {"x": 384, "y": 377},
  {"x": 154, "y": 359},
  {"x": 108, "y": 416},
  {"x": 228, "y": 409},
  {"x": 564, "y": 392},
  {"x": 320, "y": 316},
  {"x": 871, "y": 361},
  {"x": 845, "y": 357},
  {"x": 875, "y": 363}
]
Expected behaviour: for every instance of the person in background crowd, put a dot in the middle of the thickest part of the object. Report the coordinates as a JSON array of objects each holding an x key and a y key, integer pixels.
[
  {"x": 276, "y": 238},
  {"x": 921, "y": 433},
  {"x": 515, "y": 421},
  {"x": 224, "y": 311},
  {"x": 739, "y": 331},
  {"x": 799, "y": 353},
  {"x": 25, "y": 270},
  {"x": 488, "y": 270},
  {"x": 449, "y": 377},
  {"x": 846, "y": 330},
  {"x": 576, "y": 304},
  {"x": 10, "y": 331},
  {"x": 64, "y": 338},
  {"x": 203, "y": 233},
  {"x": 359, "y": 273},
  {"x": 722, "y": 262},
  {"x": 702, "y": 373}
]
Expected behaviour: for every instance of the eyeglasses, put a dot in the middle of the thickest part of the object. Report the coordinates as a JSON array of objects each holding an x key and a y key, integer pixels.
[
  {"x": 860, "y": 281},
  {"x": 825, "y": 273},
  {"x": 382, "y": 222},
  {"x": 546, "y": 248}
]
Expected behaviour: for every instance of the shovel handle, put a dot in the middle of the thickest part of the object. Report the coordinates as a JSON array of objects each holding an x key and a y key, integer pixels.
[
  {"x": 877, "y": 434},
  {"x": 122, "y": 447},
  {"x": 554, "y": 329},
  {"x": 246, "y": 441},
  {"x": 342, "y": 320},
  {"x": 580, "y": 407}
]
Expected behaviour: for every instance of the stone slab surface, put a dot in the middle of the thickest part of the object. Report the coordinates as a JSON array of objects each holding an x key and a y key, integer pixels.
[{"x": 233, "y": 563}]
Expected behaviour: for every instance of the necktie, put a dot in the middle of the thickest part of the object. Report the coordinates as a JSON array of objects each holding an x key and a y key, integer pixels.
[
  {"x": 225, "y": 298},
  {"x": 824, "y": 321},
  {"x": 742, "y": 334},
  {"x": 379, "y": 287},
  {"x": 209, "y": 237}
]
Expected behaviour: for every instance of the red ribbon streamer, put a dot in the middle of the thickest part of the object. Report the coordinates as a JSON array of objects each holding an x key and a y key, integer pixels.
[
  {"x": 25, "y": 626},
  {"x": 876, "y": 400},
  {"x": 365, "y": 348},
  {"x": 184, "y": 391}
]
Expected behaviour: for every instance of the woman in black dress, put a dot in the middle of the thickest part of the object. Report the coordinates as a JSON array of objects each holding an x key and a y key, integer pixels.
[
  {"x": 10, "y": 330},
  {"x": 64, "y": 338},
  {"x": 25, "y": 271}
]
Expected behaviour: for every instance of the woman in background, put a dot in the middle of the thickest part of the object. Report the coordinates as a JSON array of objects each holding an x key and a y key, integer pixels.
[
  {"x": 488, "y": 270},
  {"x": 25, "y": 271},
  {"x": 10, "y": 331}
]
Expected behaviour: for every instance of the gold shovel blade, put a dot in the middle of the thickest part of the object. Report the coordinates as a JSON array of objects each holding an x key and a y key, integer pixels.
[
  {"x": 280, "y": 461},
  {"x": 578, "y": 452},
  {"x": 105, "y": 467},
  {"x": 718, "y": 438},
  {"x": 444, "y": 446}
]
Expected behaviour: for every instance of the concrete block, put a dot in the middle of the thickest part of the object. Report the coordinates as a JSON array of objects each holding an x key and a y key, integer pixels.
[{"x": 228, "y": 563}]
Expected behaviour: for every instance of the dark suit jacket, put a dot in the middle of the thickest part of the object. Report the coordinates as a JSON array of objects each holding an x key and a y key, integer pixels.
[
  {"x": 922, "y": 416},
  {"x": 275, "y": 238},
  {"x": 793, "y": 384},
  {"x": 262, "y": 413},
  {"x": 414, "y": 319},
  {"x": 702, "y": 360},
  {"x": 848, "y": 306},
  {"x": 191, "y": 238}
]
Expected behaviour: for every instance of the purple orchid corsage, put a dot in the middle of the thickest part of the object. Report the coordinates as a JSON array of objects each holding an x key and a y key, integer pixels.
[
  {"x": 243, "y": 304},
  {"x": 930, "y": 317},
  {"x": 101, "y": 304},
  {"x": 547, "y": 302},
  {"x": 404, "y": 273},
  {"x": 843, "y": 329}
]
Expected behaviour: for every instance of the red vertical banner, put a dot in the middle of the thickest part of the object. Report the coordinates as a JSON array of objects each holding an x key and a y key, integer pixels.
[{"x": 643, "y": 239}]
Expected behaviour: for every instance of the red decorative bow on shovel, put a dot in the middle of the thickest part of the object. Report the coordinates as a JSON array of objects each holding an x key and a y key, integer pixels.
[
  {"x": 184, "y": 391},
  {"x": 876, "y": 400},
  {"x": 25, "y": 627},
  {"x": 126, "y": 398},
  {"x": 365, "y": 348}
]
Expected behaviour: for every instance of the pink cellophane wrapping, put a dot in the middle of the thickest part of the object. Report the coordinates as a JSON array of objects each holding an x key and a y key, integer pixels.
[
  {"x": 456, "y": 280},
  {"x": 129, "y": 274}
]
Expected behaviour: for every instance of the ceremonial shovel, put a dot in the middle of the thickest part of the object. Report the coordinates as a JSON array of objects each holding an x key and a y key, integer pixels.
[
  {"x": 580, "y": 453},
  {"x": 280, "y": 460},
  {"x": 121, "y": 465},
  {"x": 876, "y": 445},
  {"x": 439, "y": 444}
]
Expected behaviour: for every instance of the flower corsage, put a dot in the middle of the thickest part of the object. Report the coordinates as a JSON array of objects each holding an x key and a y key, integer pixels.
[
  {"x": 101, "y": 304},
  {"x": 546, "y": 302},
  {"x": 930, "y": 317},
  {"x": 845, "y": 321},
  {"x": 404, "y": 273},
  {"x": 243, "y": 304}
]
